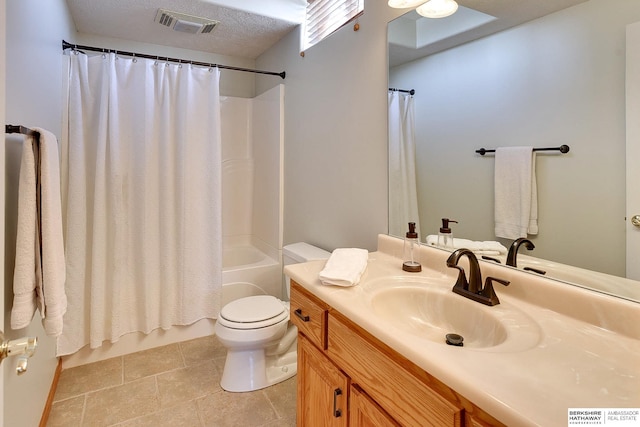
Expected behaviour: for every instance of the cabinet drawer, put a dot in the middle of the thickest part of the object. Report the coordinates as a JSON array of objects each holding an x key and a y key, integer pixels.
[
  {"x": 381, "y": 375},
  {"x": 309, "y": 314}
]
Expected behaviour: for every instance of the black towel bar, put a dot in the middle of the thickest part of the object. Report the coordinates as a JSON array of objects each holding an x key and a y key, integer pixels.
[{"x": 563, "y": 149}]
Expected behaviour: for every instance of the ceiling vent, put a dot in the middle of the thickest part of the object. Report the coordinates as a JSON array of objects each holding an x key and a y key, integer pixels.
[{"x": 185, "y": 23}]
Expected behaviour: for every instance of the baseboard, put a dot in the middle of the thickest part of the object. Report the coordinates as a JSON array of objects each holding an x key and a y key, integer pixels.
[{"x": 52, "y": 393}]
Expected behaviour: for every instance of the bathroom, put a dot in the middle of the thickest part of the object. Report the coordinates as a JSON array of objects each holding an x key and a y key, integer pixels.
[{"x": 335, "y": 135}]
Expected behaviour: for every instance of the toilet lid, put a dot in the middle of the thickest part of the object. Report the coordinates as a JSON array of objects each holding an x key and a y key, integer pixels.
[{"x": 253, "y": 309}]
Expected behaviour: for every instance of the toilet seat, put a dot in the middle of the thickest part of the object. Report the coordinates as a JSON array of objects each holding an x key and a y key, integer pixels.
[{"x": 254, "y": 312}]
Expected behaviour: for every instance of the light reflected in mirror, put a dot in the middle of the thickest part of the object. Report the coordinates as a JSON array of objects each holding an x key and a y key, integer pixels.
[{"x": 556, "y": 80}]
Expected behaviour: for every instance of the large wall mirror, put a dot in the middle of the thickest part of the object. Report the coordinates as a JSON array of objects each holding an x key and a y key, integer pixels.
[{"x": 555, "y": 80}]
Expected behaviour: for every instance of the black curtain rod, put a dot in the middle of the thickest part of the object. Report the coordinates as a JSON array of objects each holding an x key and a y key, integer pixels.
[
  {"x": 410, "y": 92},
  {"x": 20, "y": 129},
  {"x": 67, "y": 45},
  {"x": 563, "y": 149}
]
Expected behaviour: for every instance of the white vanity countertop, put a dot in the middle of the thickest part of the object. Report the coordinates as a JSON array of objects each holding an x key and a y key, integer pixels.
[{"x": 575, "y": 362}]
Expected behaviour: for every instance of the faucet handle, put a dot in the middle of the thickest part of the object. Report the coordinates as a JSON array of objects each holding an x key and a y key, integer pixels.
[{"x": 489, "y": 293}]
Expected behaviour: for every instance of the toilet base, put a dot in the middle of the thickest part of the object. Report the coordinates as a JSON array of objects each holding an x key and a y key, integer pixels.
[{"x": 251, "y": 370}]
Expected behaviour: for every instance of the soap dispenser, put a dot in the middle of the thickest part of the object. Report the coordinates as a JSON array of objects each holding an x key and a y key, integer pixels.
[
  {"x": 445, "y": 236},
  {"x": 411, "y": 250}
]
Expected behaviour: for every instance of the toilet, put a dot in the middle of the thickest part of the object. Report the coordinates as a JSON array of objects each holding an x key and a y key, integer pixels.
[{"x": 261, "y": 343}]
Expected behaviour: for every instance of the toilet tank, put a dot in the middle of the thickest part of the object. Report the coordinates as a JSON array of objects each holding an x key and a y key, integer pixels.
[{"x": 300, "y": 252}]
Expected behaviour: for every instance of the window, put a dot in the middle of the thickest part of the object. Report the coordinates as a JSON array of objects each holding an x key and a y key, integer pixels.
[{"x": 326, "y": 16}]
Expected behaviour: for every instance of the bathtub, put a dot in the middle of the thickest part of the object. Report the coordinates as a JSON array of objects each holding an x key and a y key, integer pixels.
[{"x": 247, "y": 271}]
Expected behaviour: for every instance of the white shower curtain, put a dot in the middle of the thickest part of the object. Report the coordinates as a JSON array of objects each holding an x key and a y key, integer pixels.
[
  {"x": 403, "y": 196},
  {"x": 143, "y": 215}
]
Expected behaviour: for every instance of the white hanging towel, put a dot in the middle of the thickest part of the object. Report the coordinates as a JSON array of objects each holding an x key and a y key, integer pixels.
[
  {"x": 26, "y": 274},
  {"x": 516, "y": 194},
  {"x": 39, "y": 275},
  {"x": 344, "y": 267}
]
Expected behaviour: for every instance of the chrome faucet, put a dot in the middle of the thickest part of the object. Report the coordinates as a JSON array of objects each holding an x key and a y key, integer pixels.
[
  {"x": 473, "y": 289},
  {"x": 513, "y": 250}
]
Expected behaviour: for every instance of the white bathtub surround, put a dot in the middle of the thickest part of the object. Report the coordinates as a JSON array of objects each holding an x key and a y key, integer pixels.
[{"x": 143, "y": 230}]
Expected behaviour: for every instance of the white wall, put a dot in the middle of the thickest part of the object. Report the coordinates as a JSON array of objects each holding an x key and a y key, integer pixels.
[
  {"x": 33, "y": 98},
  {"x": 2, "y": 184},
  {"x": 556, "y": 80},
  {"x": 335, "y": 153}
]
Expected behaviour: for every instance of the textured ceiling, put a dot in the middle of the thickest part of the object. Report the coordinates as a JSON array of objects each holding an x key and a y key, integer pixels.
[
  {"x": 250, "y": 27},
  {"x": 240, "y": 33}
]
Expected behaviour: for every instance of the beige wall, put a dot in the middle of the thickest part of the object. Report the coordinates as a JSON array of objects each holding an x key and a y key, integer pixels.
[{"x": 335, "y": 133}]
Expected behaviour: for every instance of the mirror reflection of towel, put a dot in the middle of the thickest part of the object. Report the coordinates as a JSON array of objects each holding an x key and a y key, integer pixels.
[{"x": 516, "y": 195}]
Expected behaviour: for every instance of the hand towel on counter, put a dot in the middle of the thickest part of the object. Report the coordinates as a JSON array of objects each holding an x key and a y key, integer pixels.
[
  {"x": 344, "y": 267},
  {"x": 40, "y": 228},
  {"x": 515, "y": 192},
  {"x": 488, "y": 247}
]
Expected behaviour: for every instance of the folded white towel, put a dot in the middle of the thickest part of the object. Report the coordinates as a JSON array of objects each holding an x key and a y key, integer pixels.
[
  {"x": 488, "y": 247},
  {"x": 516, "y": 198},
  {"x": 26, "y": 273},
  {"x": 53, "y": 294},
  {"x": 344, "y": 267},
  {"x": 39, "y": 274}
]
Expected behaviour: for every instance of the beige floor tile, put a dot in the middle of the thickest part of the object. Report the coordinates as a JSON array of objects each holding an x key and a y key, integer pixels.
[
  {"x": 121, "y": 403},
  {"x": 87, "y": 378},
  {"x": 181, "y": 415},
  {"x": 282, "y": 422},
  {"x": 226, "y": 409},
  {"x": 188, "y": 383},
  {"x": 66, "y": 413},
  {"x": 168, "y": 393},
  {"x": 151, "y": 362},
  {"x": 283, "y": 397},
  {"x": 201, "y": 350}
]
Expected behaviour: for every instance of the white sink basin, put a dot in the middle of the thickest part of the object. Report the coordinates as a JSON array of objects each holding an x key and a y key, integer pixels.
[{"x": 430, "y": 312}]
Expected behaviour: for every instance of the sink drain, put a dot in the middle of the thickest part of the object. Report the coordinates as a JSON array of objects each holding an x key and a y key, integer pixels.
[{"x": 454, "y": 339}]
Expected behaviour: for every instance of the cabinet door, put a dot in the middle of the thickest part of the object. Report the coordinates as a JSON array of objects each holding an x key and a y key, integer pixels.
[
  {"x": 322, "y": 389},
  {"x": 364, "y": 412}
]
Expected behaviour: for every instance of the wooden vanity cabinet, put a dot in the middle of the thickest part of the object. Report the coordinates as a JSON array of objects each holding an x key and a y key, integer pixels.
[
  {"x": 322, "y": 388},
  {"x": 347, "y": 377}
]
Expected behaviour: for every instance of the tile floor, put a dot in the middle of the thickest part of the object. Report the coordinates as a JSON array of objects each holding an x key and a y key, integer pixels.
[{"x": 175, "y": 385}]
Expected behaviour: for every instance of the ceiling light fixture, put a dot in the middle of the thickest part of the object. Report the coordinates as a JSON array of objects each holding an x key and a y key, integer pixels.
[{"x": 437, "y": 8}]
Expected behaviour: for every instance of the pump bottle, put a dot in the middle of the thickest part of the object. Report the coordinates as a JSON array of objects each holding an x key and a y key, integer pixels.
[
  {"x": 411, "y": 250},
  {"x": 445, "y": 236}
]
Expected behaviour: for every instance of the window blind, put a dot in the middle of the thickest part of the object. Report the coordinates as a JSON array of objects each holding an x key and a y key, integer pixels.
[{"x": 326, "y": 16}]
